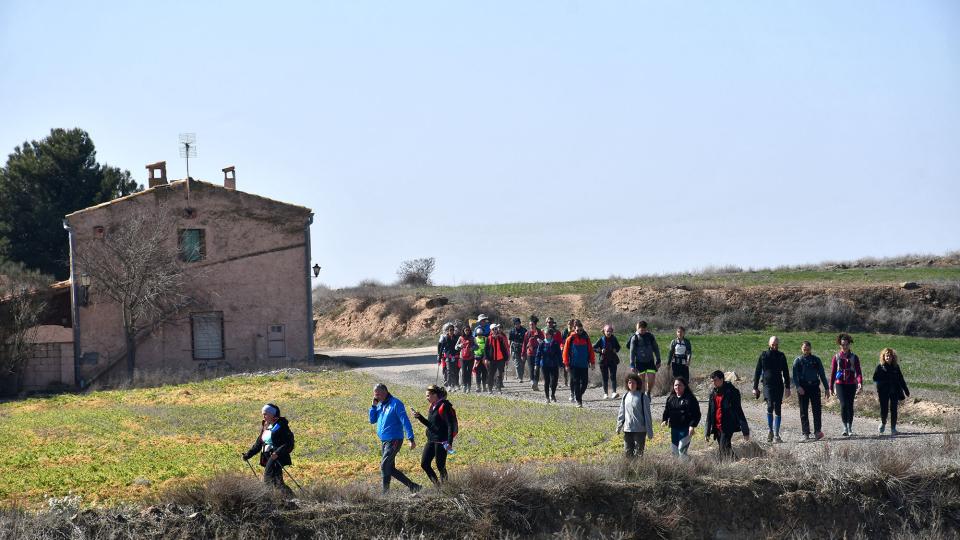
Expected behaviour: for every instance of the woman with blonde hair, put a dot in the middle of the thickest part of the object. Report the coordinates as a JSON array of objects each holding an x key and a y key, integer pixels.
[{"x": 891, "y": 388}]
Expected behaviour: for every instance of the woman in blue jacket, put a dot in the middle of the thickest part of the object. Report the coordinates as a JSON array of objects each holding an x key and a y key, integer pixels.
[{"x": 549, "y": 358}]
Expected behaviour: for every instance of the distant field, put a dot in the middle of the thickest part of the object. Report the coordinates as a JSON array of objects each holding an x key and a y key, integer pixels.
[
  {"x": 788, "y": 277},
  {"x": 97, "y": 445}
]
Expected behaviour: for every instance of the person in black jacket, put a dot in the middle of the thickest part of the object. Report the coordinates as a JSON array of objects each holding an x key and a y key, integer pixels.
[
  {"x": 891, "y": 388},
  {"x": 607, "y": 348},
  {"x": 448, "y": 358},
  {"x": 808, "y": 374},
  {"x": 772, "y": 366},
  {"x": 441, "y": 423},
  {"x": 682, "y": 414},
  {"x": 274, "y": 443},
  {"x": 725, "y": 414}
]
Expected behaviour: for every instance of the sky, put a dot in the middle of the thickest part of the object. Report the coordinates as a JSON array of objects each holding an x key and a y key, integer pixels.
[{"x": 524, "y": 140}]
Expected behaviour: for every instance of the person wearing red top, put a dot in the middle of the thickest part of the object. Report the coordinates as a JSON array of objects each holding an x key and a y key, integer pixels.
[
  {"x": 498, "y": 349},
  {"x": 531, "y": 344},
  {"x": 578, "y": 357},
  {"x": 846, "y": 380},
  {"x": 725, "y": 414}
]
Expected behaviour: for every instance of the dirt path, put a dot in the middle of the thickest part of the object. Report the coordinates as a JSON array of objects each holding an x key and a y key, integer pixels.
[{"x": 418, "y": 368}]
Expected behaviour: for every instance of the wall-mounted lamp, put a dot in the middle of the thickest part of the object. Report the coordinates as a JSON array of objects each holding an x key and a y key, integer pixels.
[
  {"x": 316, "y": 270},
  {"x": 84, "y": 292}
]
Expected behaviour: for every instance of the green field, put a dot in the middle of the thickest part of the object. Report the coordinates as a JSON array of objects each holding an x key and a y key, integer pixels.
[
  {"x": 101, "y": 445},
  {"x": 779, "y": 277}
]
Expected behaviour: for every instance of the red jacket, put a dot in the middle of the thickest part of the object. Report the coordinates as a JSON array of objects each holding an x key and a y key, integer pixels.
[
  {"x": 498, "y": 348},
  {"x": 526, "y": 339}
]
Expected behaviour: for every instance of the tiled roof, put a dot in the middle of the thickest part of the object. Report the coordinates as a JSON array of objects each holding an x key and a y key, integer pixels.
[{"x": 176, "y": 184}]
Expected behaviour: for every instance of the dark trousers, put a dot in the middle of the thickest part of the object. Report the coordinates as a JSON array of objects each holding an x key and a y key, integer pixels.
[
  {"x": 483, "y": 381},
  {"x": 496, "y": 374},
  {"x": 434, "y": 451},
  {"x": 534, "y": 369},
  {"x": 633, "y": 443},
  {"x": 466, "y": 373},
  {"x": 609, "y": 374},
  {"x": 810, "y": 399},
  {"x": 680, "y": 370},
  {"x": 273, "y": 475},
  {"x": 724, "y": 445},
  {"x": 578, "y": 382},
  {"x": 551, "y": 376},
  {"x": 388, "y": 464},
  {"x": 888, "y": 401},
  {"x": 846, "y": 393},
  {"x": 566, "y": 380}
]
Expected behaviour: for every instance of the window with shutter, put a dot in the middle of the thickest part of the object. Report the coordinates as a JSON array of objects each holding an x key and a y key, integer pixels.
[
  {"x": 276, "y": 345},
  {"x": 207, "y": 331}
]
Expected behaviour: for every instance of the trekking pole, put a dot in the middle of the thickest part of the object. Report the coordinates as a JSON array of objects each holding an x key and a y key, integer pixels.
[
  {"x": 284, "y": 469},
  {"x": 251, "y": 468}
]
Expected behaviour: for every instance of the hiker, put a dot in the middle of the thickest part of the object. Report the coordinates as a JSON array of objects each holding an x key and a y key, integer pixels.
[
  {"x": 549, "y": 358},
  {"x": 680, "y": 355},
  {"x": 846, "y": 380},
  {"x": 480, "y": 352},
  {"x": 563, "y": 342},
  {"x": 891, "y": 388},
  {"x": 807, "y": 375},
  {"x": 634, "y": 419},
  {"x": 390, "y": 416},
  {"x": 483, "y": 326},
  {"x": 274, "y": 443},
  {"x": 644, "y": 355},
  {"x": 682, "y": 413},
  {"x": 725, "y": 414},
  {"x": 448, "y": 358},
  {"x": 441, "y": 423},
  {"x": 772, "y": 367},
  {"x": 608, "y": 347},
  {"x": 498, "y": 353},
  {"x": 577, "y": 357},
  {"x": 531, "y": 343},
  {"x": 465, "y": 348},
  {"x": 516, "y": 347}
]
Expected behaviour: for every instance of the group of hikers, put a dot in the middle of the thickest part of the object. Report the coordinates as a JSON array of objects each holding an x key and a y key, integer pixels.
[{"x": 484, "y": 349}]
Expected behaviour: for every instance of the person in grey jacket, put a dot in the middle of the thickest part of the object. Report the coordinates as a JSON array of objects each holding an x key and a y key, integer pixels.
[
  {"x": 634, "y": 420},
  {"x": 808, "y": 374}
]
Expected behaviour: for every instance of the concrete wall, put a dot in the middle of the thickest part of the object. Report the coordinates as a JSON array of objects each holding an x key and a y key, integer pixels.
[{"x": 254, "y": 272}]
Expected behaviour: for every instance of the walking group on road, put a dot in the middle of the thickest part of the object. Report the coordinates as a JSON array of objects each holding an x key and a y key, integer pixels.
[{"x": 476, "y": 358}]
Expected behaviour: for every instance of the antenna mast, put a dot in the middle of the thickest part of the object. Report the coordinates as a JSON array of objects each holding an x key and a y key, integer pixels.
[{"x": 188, "y": 149}]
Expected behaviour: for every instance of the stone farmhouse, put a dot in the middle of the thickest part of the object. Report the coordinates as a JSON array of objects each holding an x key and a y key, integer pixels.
[{"x": 248, "y": 257}]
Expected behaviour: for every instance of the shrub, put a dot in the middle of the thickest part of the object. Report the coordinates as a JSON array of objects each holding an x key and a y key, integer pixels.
[
  {"x": 416, "y": 272},
  {"x": 825, "y": 314}
]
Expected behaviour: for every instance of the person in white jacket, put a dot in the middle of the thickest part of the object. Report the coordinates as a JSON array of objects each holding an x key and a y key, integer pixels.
[{"x": 634, "y": 419}]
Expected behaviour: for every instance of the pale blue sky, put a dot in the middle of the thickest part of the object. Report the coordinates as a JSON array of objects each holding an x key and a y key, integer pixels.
[{"x": 525, "y": 140}]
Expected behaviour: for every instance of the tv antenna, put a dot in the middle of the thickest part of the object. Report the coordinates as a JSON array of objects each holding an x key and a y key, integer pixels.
[{"x": 188, "y": 148}]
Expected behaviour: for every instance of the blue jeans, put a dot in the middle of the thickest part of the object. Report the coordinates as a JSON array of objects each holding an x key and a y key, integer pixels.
[{"x": 676, "y": 437}]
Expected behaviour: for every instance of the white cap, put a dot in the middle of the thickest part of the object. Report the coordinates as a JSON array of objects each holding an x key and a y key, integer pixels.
[{"x": 481, "y": 317}]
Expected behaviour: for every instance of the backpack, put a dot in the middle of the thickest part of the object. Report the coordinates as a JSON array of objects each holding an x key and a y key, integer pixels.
[
  {"x": 451, "y": 417},
  {"x": 532, "y": 344}
]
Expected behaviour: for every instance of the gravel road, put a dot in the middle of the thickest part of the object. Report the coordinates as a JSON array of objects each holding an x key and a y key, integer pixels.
[{"x": 418, "y": 368}]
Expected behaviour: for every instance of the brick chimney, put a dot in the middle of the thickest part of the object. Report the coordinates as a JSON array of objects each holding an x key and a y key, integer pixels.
[
  {"x": 229, "y": 177},
  {"x": 157, "y": 175}
]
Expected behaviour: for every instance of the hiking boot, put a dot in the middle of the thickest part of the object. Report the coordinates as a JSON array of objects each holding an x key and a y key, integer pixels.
[
  {"x": 777, "y": 438},
  {"x": 819, "y": 435},
  {"x": 806, "y": 436},
  {"x": 770, "y": 436},
  {"x": 579, "y": 404},
  {"x": 548, "y": 400},
  {"x": 616, "y": 395},
  {"x": 846, "y": 431},
  {"x": 535, "y": 387},
  {"x": 605, "y": 396},
  {"x": 881, "y": 428},
  {"x": 415, "y": 490},
  {"x": 572, "y": 399},
  {"x": 893, "y": 431}
]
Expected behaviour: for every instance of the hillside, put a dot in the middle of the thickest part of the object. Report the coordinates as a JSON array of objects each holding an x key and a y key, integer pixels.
[{"x": 917, "y": 296}]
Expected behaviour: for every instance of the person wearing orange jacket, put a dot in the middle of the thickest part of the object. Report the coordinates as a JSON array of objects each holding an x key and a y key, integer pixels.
[
  {"x": 578, "y": 356},
  {"x": 498, "y": 353}
]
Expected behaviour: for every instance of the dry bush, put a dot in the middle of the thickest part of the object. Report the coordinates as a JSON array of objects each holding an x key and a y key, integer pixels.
[
  {"x": 826, "y": 314},
  {"x": 663, "y": 384},
  {"x": 229, "y": 494},
  {"x": 403, "y": 309}
]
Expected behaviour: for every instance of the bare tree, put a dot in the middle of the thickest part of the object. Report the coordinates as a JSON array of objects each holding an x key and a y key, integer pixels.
[
  {"x": 135, "y": 265},
  {"x": 21, "y": 307},
  {"x": 416, "y": 272}
]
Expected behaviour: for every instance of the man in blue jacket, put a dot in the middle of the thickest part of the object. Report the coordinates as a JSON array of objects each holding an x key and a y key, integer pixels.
[{"x": 392, "y": 422}]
